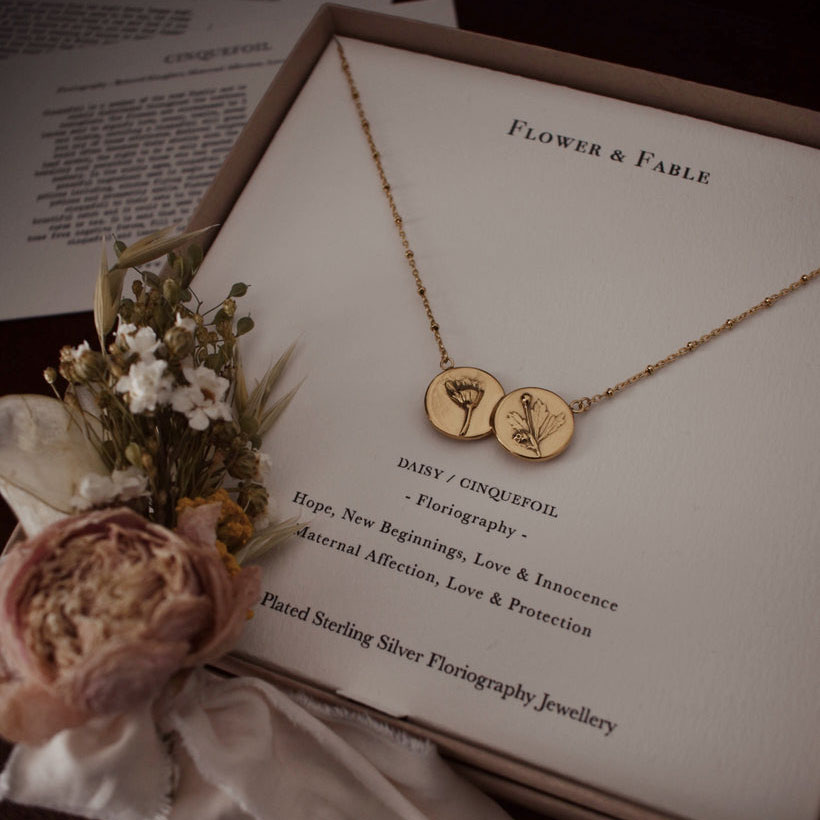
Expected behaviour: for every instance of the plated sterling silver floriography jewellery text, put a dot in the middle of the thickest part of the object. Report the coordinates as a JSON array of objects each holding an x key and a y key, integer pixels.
[{"x": 467, "y": 403}]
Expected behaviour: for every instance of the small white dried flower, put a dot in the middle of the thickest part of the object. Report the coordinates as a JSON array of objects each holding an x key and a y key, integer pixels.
[
  {"x": 95, "y": 490},
  {"x": 142, "y": 341},
  {"x": 263, "y": 465},
  {"x": 262, "y": 521},
  {"x": 202, "y": 400},
  {"x": 186, "y": 323},
  {"x": 130, "y": 483},
  {"x": 146, "y": 385},
  {"x": 76, "y": 353},
  {"x": 124, "y": 329}
]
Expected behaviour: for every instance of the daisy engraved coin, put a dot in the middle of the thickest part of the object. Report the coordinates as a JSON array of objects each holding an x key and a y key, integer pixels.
[
  {"x": 459, "y": 402},
  {"x": 533, "y": 423}
]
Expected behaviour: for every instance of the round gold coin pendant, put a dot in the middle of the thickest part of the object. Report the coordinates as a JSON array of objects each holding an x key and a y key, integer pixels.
[
  {"x": 459, "y": 402},
  {"x": 533, "y": 423}
]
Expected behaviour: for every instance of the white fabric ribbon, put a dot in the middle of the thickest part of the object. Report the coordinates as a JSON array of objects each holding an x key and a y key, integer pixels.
[
  {"x": 239, "y": 749},
  {"x": 112, "y": 768}
]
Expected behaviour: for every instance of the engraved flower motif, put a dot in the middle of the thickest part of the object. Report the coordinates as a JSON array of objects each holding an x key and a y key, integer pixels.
[
  {"x": 467, "y": 394},
  {"x": 535, "y": 424}
]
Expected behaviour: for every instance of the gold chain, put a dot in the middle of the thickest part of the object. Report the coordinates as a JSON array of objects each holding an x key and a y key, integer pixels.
[
  {"x": 446, "y": 361},
  {"x": 583, "y": 404},
  {"x": 586, "y": 402}
]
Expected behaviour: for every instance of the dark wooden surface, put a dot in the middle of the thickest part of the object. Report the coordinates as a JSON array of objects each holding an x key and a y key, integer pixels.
[{"x": 764, "y": 50}]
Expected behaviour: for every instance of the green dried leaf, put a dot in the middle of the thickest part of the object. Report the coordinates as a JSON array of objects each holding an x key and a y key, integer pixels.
[
  {"x": 195, "y": 256},
  {"x": 244, "y": 325},
  {"x": 238, "y": 289}
]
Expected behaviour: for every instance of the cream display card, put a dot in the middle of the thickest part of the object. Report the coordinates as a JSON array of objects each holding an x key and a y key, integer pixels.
[{"x": 639, "y": 613}]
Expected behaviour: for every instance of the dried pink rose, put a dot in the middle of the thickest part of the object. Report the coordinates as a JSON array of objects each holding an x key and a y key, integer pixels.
[{"x": 99, "y": 610}]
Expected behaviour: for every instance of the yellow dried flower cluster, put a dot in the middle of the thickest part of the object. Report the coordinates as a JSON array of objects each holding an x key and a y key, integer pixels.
[{"x": 233, "y": 530}]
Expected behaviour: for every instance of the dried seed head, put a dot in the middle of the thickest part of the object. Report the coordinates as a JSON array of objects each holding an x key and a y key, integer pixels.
[
  {"x": 179, "y": 341},
  {"x": 89, "y": 366},
  {"x": 254, "y": 499},
  {"x": 244, "y": 465},
  {"x": 134, "y": 454},
  {"x": 171, "y": 290}
]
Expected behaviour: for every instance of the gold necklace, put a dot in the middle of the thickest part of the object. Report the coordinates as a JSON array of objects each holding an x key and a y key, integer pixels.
[{"x": 467, "y": 403}]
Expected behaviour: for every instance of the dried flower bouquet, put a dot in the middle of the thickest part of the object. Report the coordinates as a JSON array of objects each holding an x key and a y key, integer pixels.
[{"x": 141, "y": 488}]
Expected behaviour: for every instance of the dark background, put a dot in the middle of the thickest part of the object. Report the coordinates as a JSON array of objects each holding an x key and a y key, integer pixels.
[{"x": 770, "y": 50}]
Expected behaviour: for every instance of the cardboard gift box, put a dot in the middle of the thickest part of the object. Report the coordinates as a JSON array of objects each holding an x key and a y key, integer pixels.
[{"x": 627, "y": 635}]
